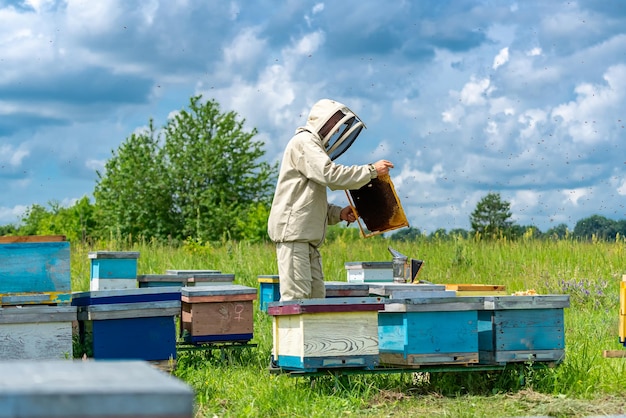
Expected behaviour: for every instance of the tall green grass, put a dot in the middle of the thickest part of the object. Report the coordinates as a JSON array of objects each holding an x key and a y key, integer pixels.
[{"x": 238, "y": 384}]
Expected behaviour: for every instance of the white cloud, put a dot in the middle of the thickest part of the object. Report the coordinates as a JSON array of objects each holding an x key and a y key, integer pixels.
[
  {"x": 13, "y": 156},
  {"x": 534, "y": 52},
  {"x": 501, "y": 59},
  {"x": 621, "y": 190},
  {"x": 12, "y": 215},
  {"x": 474, "y": 92},
  {"x": 574, "y": 195}
]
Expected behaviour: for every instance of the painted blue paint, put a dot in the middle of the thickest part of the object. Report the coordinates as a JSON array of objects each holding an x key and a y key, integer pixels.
[
  {"x": 113, "y": 268},
  {"x": 268, "y": 292},
  {"x": 35, "y": 267},
  {"x": 107, "y": 297},
  {"x": 218, "y": 338},
  {"x": 428, "y": 332},
  {"x": 152, "y": 338},
  {"x": 313, "y": 364},
  {"x": 516, "y": 334}
]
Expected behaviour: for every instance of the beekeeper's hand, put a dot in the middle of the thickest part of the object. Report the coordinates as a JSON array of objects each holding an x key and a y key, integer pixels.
[
  {"x": 347, "y": 214},
  {"x": 383, "y": 166}
]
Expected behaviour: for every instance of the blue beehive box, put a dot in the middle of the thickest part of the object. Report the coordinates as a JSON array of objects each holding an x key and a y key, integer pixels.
[
  {"x": 317, "y": 334},
  {"x": 95, "y": 389},
  {"x": 269, "y": 290},
  {"x": 129, "y": 323},
  {"x": 112, "y": 270},
  {"x": 522, "y": 328},
  {"x": 34, "y": 267},
  {"x": 427, "y": 330}
]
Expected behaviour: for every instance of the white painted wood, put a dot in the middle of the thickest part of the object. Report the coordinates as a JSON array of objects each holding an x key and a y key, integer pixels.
[
  {"x": 327, "y": 334},
  {"x": 527, "y": 302},
  {"x": 36, "y": 341},
  {"x": 37, "y": 313},
  {"x": 112, "y": 284}
]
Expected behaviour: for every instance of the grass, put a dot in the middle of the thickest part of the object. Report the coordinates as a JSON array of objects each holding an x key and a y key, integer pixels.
[{"x": 236, "y": 383}]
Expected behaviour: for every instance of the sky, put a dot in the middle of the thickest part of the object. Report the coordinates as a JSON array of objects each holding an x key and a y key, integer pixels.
[{"x": 526, "y": 99}]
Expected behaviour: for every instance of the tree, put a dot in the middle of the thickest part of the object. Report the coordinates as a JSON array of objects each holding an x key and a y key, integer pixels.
[
  {"x": 597, "y": 226},
  {"x": 558, "y": 232},
  {"x": 199, "y": 177},
  {"x": 133, "y": 194},
  {"x": 406, "y": 234},
  {"x": 491, "y": 218}
]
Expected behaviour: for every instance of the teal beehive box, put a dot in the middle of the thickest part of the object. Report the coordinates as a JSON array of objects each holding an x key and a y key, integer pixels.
[
  {"x": 428, "y": 330},
  {"x": 37, "y": 264},
  {"x": 522, "y": 328},
  {"x": 269, "y": 290},
  {"x": 112, "y": 270}
]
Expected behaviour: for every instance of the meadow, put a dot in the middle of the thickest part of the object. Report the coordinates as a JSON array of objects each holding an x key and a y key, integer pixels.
[{"x": 237, "y": 383}]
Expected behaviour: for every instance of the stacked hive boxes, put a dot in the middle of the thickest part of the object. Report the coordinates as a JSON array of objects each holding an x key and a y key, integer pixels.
[{"x": 35, "y": 312}]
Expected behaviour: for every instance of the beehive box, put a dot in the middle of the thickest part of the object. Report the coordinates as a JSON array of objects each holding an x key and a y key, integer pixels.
[
  {"x": 344, "y": 289},
  {"x": 477, "y": 289},
  {"x": 111, "y": 270},
  {"x": 180, "y": 280},
  {"x": 269, "y": 290},
  {"x": 315, "y": 334},
  {"x": 34, "y": 265},
  {"x": 220, "y": 313},
  {"x": 522, "y": 328},
  {"x": 73, "y": 389},
  {"x": 187, "y": 272},
  {"x": 369, "y": 271},
  {"x": 389, "y": 290},
  {"x": 429, "y": 331},
  {"x": 128, "y": 323},
  {"x": 36, "y": 332}
]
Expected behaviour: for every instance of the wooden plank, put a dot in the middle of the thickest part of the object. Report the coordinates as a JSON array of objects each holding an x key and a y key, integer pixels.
[
  {"x": 218, "y": 298},
  {"x": 217, "y": 290},
  {"x": 476, "y": 287},
  {"x": 34, "y": 298},
  {"x": 111, "y": 284},
  {"x": 129, "y": 310},
  {"x": 418, "y": 360},
  {"x": 31, "y": 238},
  {"x": 268, "y": 279},
  {"x": 526, "y": 302},
  {"x": 188, "y": 272},
  {"x": 436, "y": 304},
  {"x": 96, "y": 389},
  {"x": 614, "y": 353},
  {"x": 37, "y": 314},
  {"x": 115, "y": 255},
  {"x": 137, "y": 295},
  {"x": 386, "y": 289}
]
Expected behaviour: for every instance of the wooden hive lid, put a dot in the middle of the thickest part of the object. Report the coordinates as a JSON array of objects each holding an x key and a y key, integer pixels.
[{"x": 307, "y": 306}]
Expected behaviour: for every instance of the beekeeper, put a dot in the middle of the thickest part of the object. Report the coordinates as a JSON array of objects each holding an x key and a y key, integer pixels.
[{"x": 300, "y": 210}]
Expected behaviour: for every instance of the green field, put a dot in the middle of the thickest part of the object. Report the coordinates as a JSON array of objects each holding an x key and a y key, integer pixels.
[{"x": 236, "y": 383}]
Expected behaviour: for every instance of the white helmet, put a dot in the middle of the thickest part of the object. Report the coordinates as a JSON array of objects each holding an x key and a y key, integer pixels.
[{"x": 336, "y": 125}]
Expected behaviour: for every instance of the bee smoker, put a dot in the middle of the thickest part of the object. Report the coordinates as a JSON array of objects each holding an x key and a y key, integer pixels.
[{"x": 404, "y": 269}]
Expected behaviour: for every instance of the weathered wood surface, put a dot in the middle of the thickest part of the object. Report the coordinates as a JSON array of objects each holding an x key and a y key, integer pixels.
[
  {"x": 344, "y": 289},
  {"x": 268, "y": 278},
  {"x": 420, "y": 294},
  {"x": 614, "y": 353},
  {"x": 114, "y": 255},
  {"x": 526, "y": 302},
  {"x": 387, "y": 289},
  {"x": 217, "y": 290},
  {"x": 297, "y": 307},
  {"x": 327, "y": 335},
  {"x": 186, "y": 279},
  {"x": 36, "y": 341},
  {"x": 187, "y": 272},
  {"x": 129, "y": 310},
  {"x": 219, "y": 298},
  {"x": 435, "y": 304},
  {"x": 475, "y": 287},
  {"x": 72, "y": 389},
  {"x": 112, "y": 284},
  {"x": 35, "y": 267},
  {"x": 37, "y": 314},
  {"x": 218, "y": 318},
  {"x": 31, "y": 238},
  {"x": 421, "y": 360},
  {"x": 33, "y": 298}
]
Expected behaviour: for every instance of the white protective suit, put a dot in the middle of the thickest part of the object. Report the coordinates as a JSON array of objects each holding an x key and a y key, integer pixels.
[{"x": 300, "y": 211}]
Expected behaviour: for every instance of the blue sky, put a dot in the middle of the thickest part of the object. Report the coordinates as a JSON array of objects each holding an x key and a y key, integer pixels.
[{"x": 526, "y": 98}]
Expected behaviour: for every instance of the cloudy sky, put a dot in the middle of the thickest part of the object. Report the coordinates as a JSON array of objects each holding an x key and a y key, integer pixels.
[{"x": 466, "y": 97}]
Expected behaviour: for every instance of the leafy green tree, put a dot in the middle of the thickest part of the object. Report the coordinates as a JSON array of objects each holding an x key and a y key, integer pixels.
[
  {"x": 406, "y": 234},
  {"x": 9, "y": 229},
  {"x": 200, "y": 177},
  {"x": 215, "y": 172},
  {"x": 134, "y": 195},
  {"x": 595, "y": 225},
  {"x": 492, "y": 217},
  {"x": 558, "y": 232}
]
